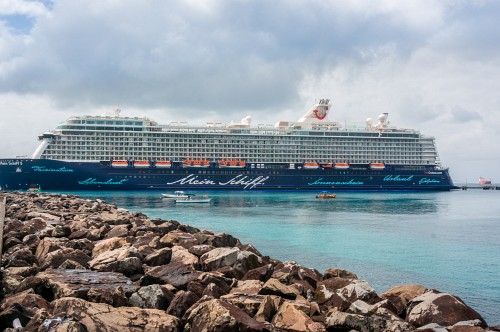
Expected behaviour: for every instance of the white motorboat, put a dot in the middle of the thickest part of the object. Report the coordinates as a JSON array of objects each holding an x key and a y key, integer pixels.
[
  {"x": 177, "y": 194},
  {"x": 191, "y": 199}
]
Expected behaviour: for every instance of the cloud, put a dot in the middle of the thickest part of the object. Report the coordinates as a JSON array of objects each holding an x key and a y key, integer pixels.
[
  {"x": 186, "y": 55},
  {"x": 21, "y": 7}
]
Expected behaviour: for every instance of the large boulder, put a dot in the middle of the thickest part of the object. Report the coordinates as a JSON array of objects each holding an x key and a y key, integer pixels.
[
  {"x": 181, "y": 302},
  {"x": 125, "y": 260},
  {"x": 183, "y": 256},
  {"x": 178, "y": 238},
  {"x": 58, "y": 283},
  {"x": 103, "y": 317},
  {"x": 176, "y": 274},
  {"x": 19, "y": 258},
  {"x": 440, "y": 308},
  {"x": 342, "y": 321},
  {"x": 109, "y": 245},
  {"x": 239, "y": 261},
  {"x": 28, "y": 300},
  {"x": 158, "y": 257},
  {"x": 275, "y": 287},
  {"x": 341, "y": 293},
  {"x": 152, "y": 296},
  {"x": 291, "y": 272},
  {"x": 247, "y": 302},
  {"x": 290, "y": 318},
  {"x": 400, "y": 296},
  {"x": 218, "y": 315},
  {"x": 47, "y": 245},
  {"x": 56, "y": 258}
]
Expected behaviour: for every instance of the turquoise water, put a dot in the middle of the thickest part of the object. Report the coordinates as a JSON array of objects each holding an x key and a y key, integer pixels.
[{"x": 449, "y": 241}]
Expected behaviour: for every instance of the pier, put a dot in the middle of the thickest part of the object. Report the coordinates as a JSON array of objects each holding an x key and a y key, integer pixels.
[{"x": 480, "y": 186}]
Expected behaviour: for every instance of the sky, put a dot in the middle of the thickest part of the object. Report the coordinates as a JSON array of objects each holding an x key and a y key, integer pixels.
[{"x": 432, "y": 65}]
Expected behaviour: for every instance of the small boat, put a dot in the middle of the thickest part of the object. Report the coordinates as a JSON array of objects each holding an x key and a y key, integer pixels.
[
  {"x": 141, "y": 164},
  {"x": 191, "y": 200},
  {"x": 483, "y": 181},
  {"x": 311, "y": 165},
  {"x": 377, "y": 166},
  {"x": 196, "y": 163},
  {"x": 34, "y": 189},
  {"x": 329, "y": 165},
  {"x": 119, "y": 163},
  {"x": 163, "y": 164},
  {"x": 232, "y": 163},
  {"x": 326, "y": 195},
  {"x": 341, "y": 166},
  {"x": 177, "y": 194}
]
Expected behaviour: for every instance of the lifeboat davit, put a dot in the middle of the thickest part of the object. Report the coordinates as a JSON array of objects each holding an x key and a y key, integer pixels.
[{"x": 119, "y": 163}]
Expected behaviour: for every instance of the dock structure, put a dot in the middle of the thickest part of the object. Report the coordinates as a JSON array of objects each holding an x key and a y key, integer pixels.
[
  {"x": 480, "y": 186},
  {"x": 3, "y": 200}
]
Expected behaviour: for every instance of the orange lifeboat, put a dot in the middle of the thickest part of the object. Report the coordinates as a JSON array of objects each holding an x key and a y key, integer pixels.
[
  {"x": 119, "y": 163},
  {"x": 311, "y": 165},
  {"x": 141, "y": 164},
  {"x": 329, "y": 165},
  {"x": 163, "y": 164},
  {"x": 232, "y": 163},
  {"x": 341, "y": 166},
  {"x": 196, "y": 163},
  {"x": 377, "y": 166}
]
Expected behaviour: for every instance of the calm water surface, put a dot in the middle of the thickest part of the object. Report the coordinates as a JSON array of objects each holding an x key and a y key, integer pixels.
[{"x": 449, "y": 241}]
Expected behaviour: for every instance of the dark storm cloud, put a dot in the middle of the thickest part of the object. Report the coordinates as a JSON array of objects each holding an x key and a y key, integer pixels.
[{"x": 236, "y": 55}]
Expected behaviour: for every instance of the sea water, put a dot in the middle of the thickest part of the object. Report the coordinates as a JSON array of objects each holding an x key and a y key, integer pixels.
[{"x": 449, "y": 241}]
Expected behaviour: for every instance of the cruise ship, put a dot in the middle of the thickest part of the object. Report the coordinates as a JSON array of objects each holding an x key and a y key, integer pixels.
[{"x": 114, "y": 152}]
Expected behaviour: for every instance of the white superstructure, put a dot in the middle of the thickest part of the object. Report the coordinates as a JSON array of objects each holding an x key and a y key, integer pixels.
[{"x": 312, "y": 138}]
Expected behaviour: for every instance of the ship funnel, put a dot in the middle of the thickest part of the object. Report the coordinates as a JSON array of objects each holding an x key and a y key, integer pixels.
[{"x": 317, "y": 113}]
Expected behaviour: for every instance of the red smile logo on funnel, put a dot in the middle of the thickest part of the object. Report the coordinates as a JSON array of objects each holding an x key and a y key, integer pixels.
[{"x": 322, "y": 115}]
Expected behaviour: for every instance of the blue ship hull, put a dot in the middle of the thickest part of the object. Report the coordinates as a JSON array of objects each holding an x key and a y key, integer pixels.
[{"x": 21, "y": 174}]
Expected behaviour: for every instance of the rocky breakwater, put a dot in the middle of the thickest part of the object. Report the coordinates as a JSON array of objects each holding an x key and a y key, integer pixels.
[{"x": 71, "y": 264}]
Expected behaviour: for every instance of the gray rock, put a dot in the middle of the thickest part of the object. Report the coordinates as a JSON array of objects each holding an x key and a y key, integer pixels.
[
  {"x": 440, "y": 308},
  {"x": 152, "y": 296}
]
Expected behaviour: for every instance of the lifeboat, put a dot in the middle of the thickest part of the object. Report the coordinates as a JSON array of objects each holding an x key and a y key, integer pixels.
[
  {"x": 196, "y": 163},
  {"x": 326, "y": 195},
  {"x": 141, "y": 164},
  {"x": 329, "y": 165},
  {"x": 311, "y": 165},
  {"x": 232, "y": 163},
  {"x": 341, "y": 166},
  {"x": 377, "y": 166},
  {"x": 163, "y": 164},
  {"x": 119, "y": 163}
]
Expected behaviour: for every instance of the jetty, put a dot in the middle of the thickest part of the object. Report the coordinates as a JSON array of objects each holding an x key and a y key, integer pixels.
[
  {"x": 72, "y": 264},
  {"x": 480, "y": 186}
]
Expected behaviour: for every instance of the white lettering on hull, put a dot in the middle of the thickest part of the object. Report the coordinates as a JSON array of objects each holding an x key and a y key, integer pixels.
[{"x": 240, "y": 180}]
